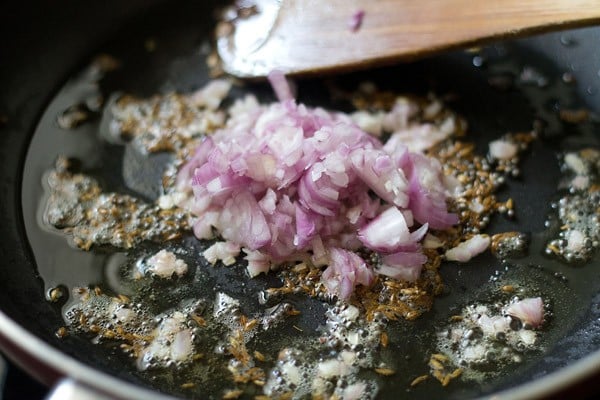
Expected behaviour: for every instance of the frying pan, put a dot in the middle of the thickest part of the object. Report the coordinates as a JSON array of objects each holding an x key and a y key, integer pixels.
[{"x": 44, "y": 45}]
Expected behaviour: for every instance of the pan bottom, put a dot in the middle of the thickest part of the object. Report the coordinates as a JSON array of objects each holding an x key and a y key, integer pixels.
[{"x": 495, "y": 99}]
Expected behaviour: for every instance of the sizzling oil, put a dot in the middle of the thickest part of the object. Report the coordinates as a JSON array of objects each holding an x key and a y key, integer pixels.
[{"x": 541, "y": 95}]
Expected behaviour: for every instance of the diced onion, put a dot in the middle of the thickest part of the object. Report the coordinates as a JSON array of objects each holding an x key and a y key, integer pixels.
[
  {"x": 286, "y": 183},
  {"x": 469, "y": 248},
  {"x": 530, "y": 311}
]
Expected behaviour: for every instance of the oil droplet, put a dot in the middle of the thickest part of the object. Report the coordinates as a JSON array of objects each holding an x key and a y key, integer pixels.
[
  {"x": 568, "y": 77},
  {"x": 568, "y": 41},
  {"x": 478, "y": 61},
  {"x": 590, "y": 90}
]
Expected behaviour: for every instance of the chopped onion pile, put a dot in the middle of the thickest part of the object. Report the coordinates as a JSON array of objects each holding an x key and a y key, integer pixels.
[{"x": 285, "y": 182}]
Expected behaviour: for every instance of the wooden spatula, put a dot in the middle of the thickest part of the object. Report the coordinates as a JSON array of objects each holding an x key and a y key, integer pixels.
[{"x": 313, "y": 36}]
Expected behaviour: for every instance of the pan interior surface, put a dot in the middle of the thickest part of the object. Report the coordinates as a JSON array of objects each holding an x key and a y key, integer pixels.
[{"x": 165, "y": 50}]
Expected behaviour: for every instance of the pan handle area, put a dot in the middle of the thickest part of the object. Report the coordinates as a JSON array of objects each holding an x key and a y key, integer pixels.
[{"x": 69, "y": 389}]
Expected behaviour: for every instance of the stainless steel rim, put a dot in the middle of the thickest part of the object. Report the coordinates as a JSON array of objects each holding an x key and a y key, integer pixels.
[{"x": 71, "y": 368}]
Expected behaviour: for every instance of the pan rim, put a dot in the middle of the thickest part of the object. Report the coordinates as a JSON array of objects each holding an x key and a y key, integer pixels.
[
  {"x": 33, "y": 346},
  {"x": 68, "y": 366}
]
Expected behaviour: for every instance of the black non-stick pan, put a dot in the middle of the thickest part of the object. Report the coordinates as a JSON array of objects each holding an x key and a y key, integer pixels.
[{"x": 46, "y": 47}]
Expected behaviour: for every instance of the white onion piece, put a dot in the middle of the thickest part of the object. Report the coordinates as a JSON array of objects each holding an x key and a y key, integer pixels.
[
  {"x": 487, "y": 325},
  {"x": 401, "y": 272},
  {"x": 432, "y": 242},
  {"x": 331, "y": 369},
  {"x": 418, "y": 138},
  {"x": 469, "y": 248},
  {"x": 345, "y": 271},
  {"x": 241, "y": 221},
  {"x": 377, "y": 169},
  {"x": 292, "y": 373},
  {"x": 211, "y": 95},
  {"x": 199, "y": 157},
  {"x": 320, "y": 255},
  {"x": 432, "y": 109},
  {"x": 576, "y": 164},
  {"x": 182, "y": 345},
  {"x": 386, "y": 232},
  {"x": 258, "y": 262},
  {"x": 226, "y": 252},
  {"x": 355, "y": 391},
  {"x": 172, "y": 342},
  {"x": 530, "y": 311},
  {"x": 580, "y": 182},
  {"x": 168, "y": 201},
  {"x": 405, "y": 265},
  {"x": 474, "y": 353},
  {"x": 427, "y": 195},
  {"x": 400, "y": 114},
  {"x": 575, "y": 240},
  {"x": 369, "y": 122},
  {"x": 165, "y": 264},
  {"x": 503, "y": 149},
  {"x": 121, "y": 312},
  {"x": 453, "y": 186},
  {"x": 203, "y": 226}
]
